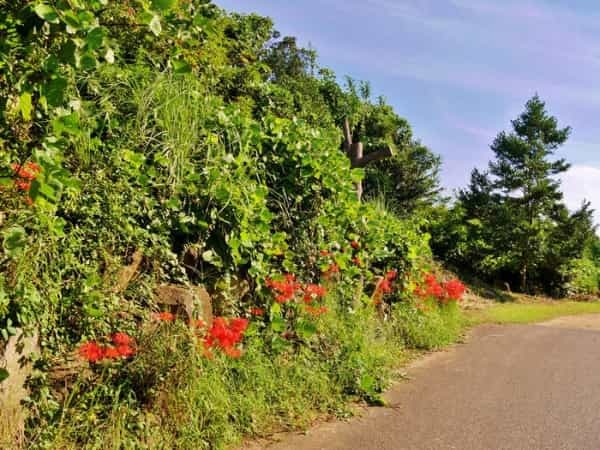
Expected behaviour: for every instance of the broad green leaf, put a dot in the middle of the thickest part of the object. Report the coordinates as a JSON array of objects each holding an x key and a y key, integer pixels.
[
  {"x": 88, "y": 61},
  {"x": 94, "y": 38},
  {"x": 72, "y": 21},
  {"x": 68, "y": 52},
  {"x": 278, "y": 324},
  {"x": 46, "y": 12},
  {"x": 155, "y": 26},
  {"x": 25, "y": 105}
]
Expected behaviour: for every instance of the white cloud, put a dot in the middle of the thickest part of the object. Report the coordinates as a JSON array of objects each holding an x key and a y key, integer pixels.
[{"x": 582, "y": 183}]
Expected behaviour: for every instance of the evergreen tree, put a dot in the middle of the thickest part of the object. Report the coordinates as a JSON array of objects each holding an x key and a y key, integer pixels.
[
  {"x": 511, "y": 221},
  {"x": 525, "y": 173}
]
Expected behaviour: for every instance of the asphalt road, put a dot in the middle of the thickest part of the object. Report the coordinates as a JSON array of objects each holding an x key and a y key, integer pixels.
[{"x": 509, "y": 387}]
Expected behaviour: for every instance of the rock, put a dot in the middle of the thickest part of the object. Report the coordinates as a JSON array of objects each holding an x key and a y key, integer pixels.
[
  {"x": 127, "y": 273},
  {"x": 188, "y": 302},
  {"x": 13, "y": 390}
]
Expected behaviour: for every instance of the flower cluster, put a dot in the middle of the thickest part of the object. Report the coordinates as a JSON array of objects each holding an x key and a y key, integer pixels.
[
  {"x": 164, "y": 316},
  {"x": 313, "y": 291},
  {"x": 24, "y": 175},
  {"x": 123, "y": 347},
  {"x": 454, "y": 289},
  {"x": 444, "y": 292},
  {"x": 385, "y": 285},
  {"x": 226, "y": 335},
  {"x": 285, "y": 290}
]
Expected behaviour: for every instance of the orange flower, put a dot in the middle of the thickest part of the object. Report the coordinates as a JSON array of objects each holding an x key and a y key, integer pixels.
[
  {"x": 91, "y": 351},
  {"x": 111, "y": 353},
  {"x": 125, "y": 351},
  {"x": 122, "y": 339},
  {"x": 164, "y": 316}
]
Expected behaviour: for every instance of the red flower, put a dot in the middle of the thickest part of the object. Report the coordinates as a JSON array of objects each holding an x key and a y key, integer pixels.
[
  {"x": 122, "y": 339},
  {"x": 285, "y": 289},
  {"x": 313, "y": 291},
  {"x": 23, "y": 185},
  {"x": 325, "y": 252},
  {"x": 28, "y": 171},
  {"x": 385, "y": 286},
  {"x": 357, "y": 261},
  {"x": 333, "y": 268},
  {"x": 226, "y": 335},
  {"x": 91, "y": 351},
  {"x": 391, "y": 275},
  {"x": 257, "y": 311},
  {"x": 238, "y": 325},
  {"x": 125, "y": 351},
  {"x": 164, "y": 316},
  {"x": 454, "y": 289},
  {"x": 316, "y": 311},
  {"x": 355, "y": 245},
  {"x": 111, "y": 353}
]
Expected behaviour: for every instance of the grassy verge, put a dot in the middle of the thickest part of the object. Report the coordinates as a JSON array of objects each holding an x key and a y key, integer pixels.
[{"x": 531, "y": 312}]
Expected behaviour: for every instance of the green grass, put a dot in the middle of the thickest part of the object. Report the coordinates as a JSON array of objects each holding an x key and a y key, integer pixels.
[{"x": 532, "y": 312}]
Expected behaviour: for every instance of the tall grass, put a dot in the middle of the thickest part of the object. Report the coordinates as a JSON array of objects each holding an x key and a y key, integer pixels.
[{"x": 172, "y": 396}]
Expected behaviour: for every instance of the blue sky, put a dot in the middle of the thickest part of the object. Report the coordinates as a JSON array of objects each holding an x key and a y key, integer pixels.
[{"x": 460, "y": 70}]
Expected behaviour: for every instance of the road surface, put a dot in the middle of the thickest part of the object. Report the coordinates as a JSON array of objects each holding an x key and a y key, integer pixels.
[{"x": 509, "y": 387}]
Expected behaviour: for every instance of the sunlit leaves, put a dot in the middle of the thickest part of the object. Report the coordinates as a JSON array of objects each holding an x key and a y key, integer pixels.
[{"x": 46, "y": 12}]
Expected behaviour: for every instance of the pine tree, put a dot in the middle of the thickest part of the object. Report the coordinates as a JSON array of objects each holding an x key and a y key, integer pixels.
[{"x": 525, "y": 173}]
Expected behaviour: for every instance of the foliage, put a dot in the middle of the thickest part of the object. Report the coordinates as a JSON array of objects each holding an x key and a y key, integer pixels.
[
  {"x": 211, "y": 146},
  {"x": 510, "y": 223}
]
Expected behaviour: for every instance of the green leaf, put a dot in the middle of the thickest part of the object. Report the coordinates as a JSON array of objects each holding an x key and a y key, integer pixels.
[
  {"x": 67, "y": 52},
  {"x": 46, "y": 12},
  {"x": 278, "y": 324},
  {"x": 55, "y": 91},
  {"x": 163, "y": 5},
  {"x": 71, "y": 20},
  {"x": 181, "y": 66},
  {"x": 3, "y": 374},
  {"x": 15, "y": 239},
  {"x": 155, "y": 26},
  {"x": 25, "y": 105},
  {"x": 88, "y": 61},
  {"x": 94, "y": 38}
]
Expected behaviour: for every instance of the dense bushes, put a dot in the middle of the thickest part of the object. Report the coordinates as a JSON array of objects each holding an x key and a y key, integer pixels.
[{"x": 201, "y": 145}]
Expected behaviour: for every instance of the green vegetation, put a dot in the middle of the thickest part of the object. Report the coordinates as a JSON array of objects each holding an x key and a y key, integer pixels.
[
  {"x": 532, "y": 312},
  {"x": 511, "y": 223},
  {"x": 167, "y": 143}
]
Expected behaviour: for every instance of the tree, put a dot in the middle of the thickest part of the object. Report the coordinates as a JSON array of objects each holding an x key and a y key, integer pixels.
[
  {"x": 518, "y": 228},
  {"x": 525, "y": 174}
]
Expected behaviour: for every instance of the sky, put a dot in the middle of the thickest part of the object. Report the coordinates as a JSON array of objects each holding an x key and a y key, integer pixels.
[{"x": 461, "y": 70}]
